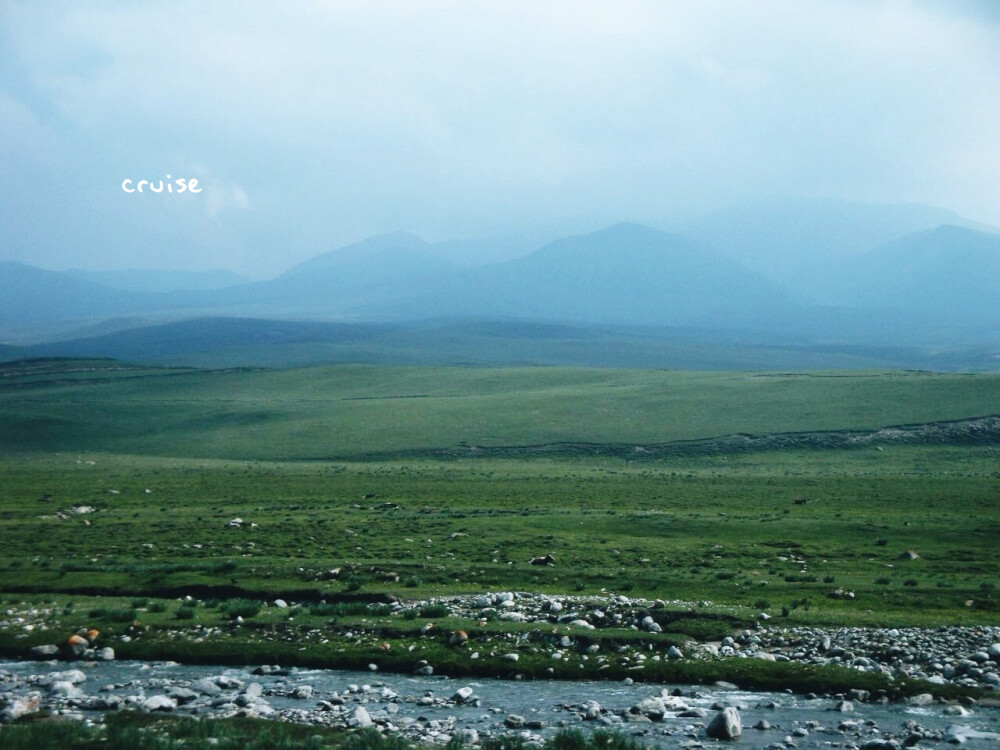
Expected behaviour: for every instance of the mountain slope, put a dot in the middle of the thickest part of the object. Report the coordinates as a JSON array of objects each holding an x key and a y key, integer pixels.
[
  {"x": 799, "y": 242},
  {"x": 148, "y": 280},
  {"x": 381, "y": 277},
  {"x": 29, "y": 294},
  {"x": 949, "y": 274},
  {"x": 629, "y": 273}
]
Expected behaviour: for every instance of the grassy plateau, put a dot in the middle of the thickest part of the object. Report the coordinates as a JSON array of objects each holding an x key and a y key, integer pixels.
[{"x": 360, "y": 485}]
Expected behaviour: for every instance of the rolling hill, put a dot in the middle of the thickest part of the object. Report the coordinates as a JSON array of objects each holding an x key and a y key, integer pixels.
[
  {"x": 247, "y": 342},
  {"x": 355, "y": 411}
]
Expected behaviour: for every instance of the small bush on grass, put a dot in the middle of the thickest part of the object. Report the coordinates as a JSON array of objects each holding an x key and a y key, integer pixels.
[
  {"x": 245, "y": 608},
  {"x": 435, "y": 611},
  {"x": 112, "y": 615}
]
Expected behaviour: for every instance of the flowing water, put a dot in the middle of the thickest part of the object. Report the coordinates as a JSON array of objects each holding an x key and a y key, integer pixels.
[{"x": 394, "y": 698}]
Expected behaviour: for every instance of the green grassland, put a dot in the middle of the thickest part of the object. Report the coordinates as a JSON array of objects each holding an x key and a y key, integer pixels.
[
  {"x": 778, "y": 527},
  {"x": 342, "y": 468},
  {"x": 363, "y": 412}
]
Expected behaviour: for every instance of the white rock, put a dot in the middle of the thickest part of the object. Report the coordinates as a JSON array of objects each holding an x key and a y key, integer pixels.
[
  {"x": 65, "y": 689},
  {"x": 360, "y": 718},
  {"x": 726, "y": 725},
  {"x": 19, "y": 707},
  {"x": 159, "y": 703}
]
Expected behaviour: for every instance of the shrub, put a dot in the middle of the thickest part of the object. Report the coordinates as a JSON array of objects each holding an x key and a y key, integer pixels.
[
  {"x": 112, "y": 615},
  {"x": 244, "y": 608},
  {"x": 435, "y": 611},
  {"x": 185, "y": 613},
  {"x": 157, "y": 607},
  {"x": 412, "y": 582}
]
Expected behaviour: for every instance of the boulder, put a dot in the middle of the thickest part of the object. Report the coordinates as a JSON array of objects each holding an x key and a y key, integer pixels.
[
  {"x": 182, "y": 695},
  {"x": 726, "y": 725},
  {"x": 466, "y": 737},
  {"x": 72, "y": 676},
  {"x": 693, "y": 713},
  {"x": 360, "y": 718},
  {"x": 74, "y": 647},
  {"x": 254, "y": 690},
  {"x": 651, "y": 708},
  {"x": 206, "y": 687},
  {"x": 47, "y": 651},
  {"x": 19, "y": 707},
  {"x": 159, "y": 703},
  {"x": 65, "y": 689}
]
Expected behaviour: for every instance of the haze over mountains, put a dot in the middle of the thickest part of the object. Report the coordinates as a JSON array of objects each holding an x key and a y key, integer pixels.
[{"x": 816, "y": 274}]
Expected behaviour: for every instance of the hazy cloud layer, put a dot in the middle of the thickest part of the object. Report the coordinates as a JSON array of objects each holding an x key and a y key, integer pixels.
[{"x": 313, "y": 124}]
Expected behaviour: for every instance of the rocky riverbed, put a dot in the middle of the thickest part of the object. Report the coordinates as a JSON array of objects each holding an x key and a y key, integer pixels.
[
  {"x": 967, "y": 657},
  {"x": 964, "y": 656},
  {"x": 435, "y": 709}
]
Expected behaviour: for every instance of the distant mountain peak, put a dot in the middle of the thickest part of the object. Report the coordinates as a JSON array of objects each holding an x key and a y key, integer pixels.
[{"x": 400, "y": 243}]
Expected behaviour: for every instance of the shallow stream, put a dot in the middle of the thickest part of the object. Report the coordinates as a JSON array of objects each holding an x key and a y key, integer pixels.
[{"x": 392, "y": 698}]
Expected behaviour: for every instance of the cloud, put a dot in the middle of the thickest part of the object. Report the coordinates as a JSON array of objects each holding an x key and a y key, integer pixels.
[{"x": 343, "y": 119}]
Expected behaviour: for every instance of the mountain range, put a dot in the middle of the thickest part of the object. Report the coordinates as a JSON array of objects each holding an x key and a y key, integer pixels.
[{"x": 765, "y": 272}]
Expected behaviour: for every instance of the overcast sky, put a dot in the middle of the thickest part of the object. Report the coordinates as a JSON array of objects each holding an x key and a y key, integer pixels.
[{"x": 312, "y": 124}]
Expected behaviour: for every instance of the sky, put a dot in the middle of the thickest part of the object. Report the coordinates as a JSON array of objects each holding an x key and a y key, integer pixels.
[{"x": 313, "y": 124}]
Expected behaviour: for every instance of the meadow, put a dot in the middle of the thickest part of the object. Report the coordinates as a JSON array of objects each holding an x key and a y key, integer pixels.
[{"x": 356, "y": 485}]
